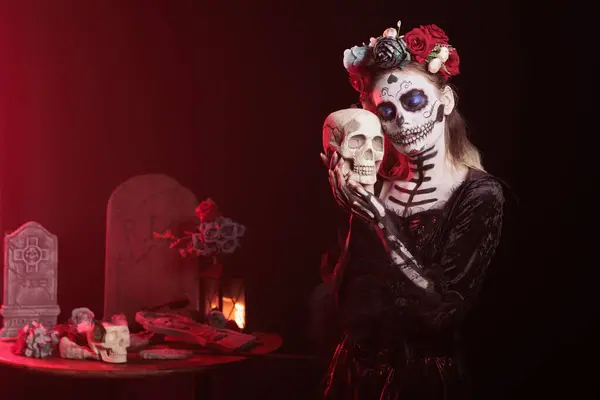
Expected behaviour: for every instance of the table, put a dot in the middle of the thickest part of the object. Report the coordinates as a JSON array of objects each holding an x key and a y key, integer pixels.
[
  {"x": 135, "y": 366},
  {"x": 178, "y": 372}
]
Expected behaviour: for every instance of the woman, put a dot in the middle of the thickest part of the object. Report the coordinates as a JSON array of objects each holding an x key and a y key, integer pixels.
[{"x": 418, "y": 247}]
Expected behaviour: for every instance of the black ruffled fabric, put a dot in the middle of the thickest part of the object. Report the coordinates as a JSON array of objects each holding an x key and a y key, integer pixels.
[{"x": 400, "y": 342}]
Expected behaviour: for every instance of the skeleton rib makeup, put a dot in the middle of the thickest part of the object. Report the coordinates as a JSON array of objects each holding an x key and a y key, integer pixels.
[
  {"x": 416, "y": 195},
  {"x": 409, "y": 108}
]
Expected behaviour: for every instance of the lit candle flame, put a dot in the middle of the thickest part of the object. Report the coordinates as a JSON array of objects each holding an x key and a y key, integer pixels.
[
  {"x": 239, "y": 313},
  {"x": 235, "y": 311}
]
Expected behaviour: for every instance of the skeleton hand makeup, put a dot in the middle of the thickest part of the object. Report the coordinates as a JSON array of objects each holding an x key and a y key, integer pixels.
[
  {"x": 356, "y": 135},
  {"x": 343, "y": 186},
  {"x": 369, "y": 208},
  {"x": 411, "y": 109},
  {"x": 365, "y": 205},
  {"x": 337, "y": 180}
]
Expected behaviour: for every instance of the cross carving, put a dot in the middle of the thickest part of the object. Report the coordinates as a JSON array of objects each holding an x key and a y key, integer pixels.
[{"x": 31, "y": 255}]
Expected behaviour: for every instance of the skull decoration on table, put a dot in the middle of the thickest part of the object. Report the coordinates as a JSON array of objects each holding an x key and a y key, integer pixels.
[
  {"x": 356, "y": 135},
  {"x": 217, "y": 319},
  {"x": 83, "y": 337},
  {"x": 109, "y": 341}
]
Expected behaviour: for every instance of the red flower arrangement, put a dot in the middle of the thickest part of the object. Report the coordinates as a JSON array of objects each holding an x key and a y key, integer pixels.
[
  {"x": 430, "y": 42},
  {"x": 419, "y": 43},
  {"x": 427, "y": 45},
  {"x": 214, "y": 235},
  {"x": 207, "y": 211}
]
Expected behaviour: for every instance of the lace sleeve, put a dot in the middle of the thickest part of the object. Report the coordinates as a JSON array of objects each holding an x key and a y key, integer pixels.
[
  {"x": 330, "y": 258},
  {"x": 465, "y": 250}
]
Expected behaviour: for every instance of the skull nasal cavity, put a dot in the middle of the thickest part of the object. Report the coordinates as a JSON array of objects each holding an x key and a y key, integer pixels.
[
  {"x": 368, "y": 155},
  {"x": 400, "y": 119}
]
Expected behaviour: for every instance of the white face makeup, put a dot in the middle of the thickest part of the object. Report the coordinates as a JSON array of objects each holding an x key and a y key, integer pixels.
[{"x": 411, "y": 110}]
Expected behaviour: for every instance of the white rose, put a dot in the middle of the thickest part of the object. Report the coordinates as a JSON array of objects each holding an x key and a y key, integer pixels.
[
  {"x": 444, "y": 53},
  {"x": 434, "y": 65},
  {"x": 348, "y": 58},
  {"x": 390, "y": 32}
]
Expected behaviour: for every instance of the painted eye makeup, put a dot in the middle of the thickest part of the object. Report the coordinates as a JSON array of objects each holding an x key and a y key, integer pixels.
[
  {"x": 386, "y": 111},
  {"x": 413, "y": 100}
]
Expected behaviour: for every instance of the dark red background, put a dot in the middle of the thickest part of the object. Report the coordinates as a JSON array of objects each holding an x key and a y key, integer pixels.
[{"x": 229, "y": 100}]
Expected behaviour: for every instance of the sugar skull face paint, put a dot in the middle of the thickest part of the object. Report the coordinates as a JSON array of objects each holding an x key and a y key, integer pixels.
[{"x": 411, "y": 109}]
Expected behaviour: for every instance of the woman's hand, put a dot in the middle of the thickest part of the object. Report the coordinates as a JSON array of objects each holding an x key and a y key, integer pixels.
[
  {"x": 337, "y": 179},
  {"x": 365, "y": 204},
  {"x": 351, "y": 195}
]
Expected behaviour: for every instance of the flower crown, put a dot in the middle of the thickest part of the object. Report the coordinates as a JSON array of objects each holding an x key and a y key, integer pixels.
[{"x": 426, "y": 45}]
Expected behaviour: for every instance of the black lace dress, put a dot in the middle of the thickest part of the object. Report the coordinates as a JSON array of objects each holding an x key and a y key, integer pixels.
[{"x": 398, "y": 342}]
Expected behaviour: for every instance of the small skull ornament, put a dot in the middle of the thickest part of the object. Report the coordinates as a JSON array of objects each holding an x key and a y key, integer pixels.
[
  {"x": 109, "y": 341},
  {"x": 216, "y": 318},
  {"x": 356, "y": 135}
]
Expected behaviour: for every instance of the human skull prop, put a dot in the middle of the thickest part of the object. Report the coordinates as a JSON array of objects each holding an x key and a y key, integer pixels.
[
  {"x": 109, "y": 341},
  {"x": 356, "y": 135}
]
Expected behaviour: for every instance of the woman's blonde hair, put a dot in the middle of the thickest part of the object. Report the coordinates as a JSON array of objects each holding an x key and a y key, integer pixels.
[{"x": 459, "y": 148}]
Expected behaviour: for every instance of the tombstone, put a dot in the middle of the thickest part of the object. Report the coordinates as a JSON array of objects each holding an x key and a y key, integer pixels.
[
  {"x": 142, "y": 271},
  {"x": 30, "y": 278}
]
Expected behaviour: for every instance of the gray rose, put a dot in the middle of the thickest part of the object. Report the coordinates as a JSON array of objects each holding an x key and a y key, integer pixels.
[
  {"x": 228, "y": 246},
  {"x": 390, "y": 53},
  {"x": 211, "y": 233}
]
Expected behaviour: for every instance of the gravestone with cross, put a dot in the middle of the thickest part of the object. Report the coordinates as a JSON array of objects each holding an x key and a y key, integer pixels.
[{"x": 30, "y": 278}]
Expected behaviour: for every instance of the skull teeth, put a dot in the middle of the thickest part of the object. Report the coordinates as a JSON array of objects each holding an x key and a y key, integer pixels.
[
  {"x": 364, "y": 169},
  {"x": 412, "y": 135}
]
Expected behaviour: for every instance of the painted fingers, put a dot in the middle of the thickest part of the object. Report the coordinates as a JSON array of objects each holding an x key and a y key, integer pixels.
[
  {"x": 351, "y": 195},
  {"x": 337, "y": 181},
  {"x": 367, "y": 201}
]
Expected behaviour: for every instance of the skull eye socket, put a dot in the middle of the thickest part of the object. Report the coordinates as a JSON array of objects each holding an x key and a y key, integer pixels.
[
  {"x": 413, "y": 100},
  {"x": 387, "y": 111},
  {"x": 356, "y": 141},
  {"x": 378, "y": 143}
]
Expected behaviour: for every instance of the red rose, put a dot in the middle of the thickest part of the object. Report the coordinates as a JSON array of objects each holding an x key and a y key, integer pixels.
[
  {"x": 207, "y": 211},
  {"x": 419, "y": 44},
  {"x": 357, "y": 82},
  {"x": 452, "y": 65},
  {"x": 436, "y": 33}
]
